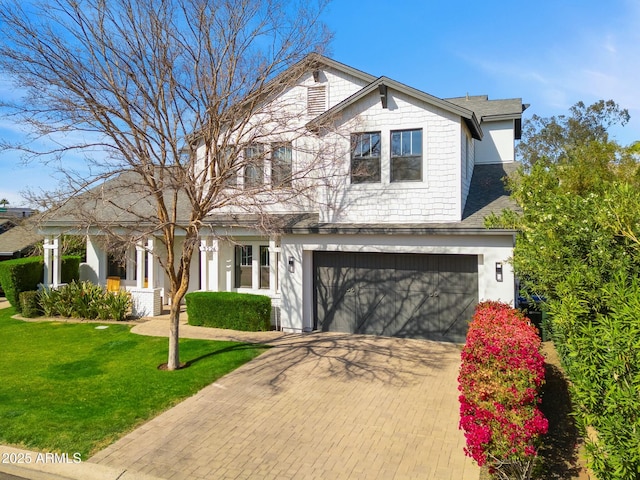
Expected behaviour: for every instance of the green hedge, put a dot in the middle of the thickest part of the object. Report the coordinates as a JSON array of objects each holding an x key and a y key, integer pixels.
[
  {"x": 236, "y": 311},
  {"x": 70, "y": 269},
  {"x": 24, "y": 274},
  {"x": 601, "y": 354},
  {"x": 20, "y": 275}
]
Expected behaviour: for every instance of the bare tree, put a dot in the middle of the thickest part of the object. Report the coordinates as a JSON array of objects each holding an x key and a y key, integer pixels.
[{"x": 166, "y": 100}]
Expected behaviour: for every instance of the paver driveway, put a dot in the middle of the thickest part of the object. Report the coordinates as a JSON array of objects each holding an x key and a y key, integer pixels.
[{"x": 325, "y": 406}]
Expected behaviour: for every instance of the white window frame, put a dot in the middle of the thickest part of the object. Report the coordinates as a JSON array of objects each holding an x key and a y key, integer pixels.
[
  {"x": 411, "y": 154},
  {"x": 357, "y": 155}
]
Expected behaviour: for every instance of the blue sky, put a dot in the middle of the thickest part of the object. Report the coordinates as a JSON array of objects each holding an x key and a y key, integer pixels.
[{"x": 549, "y": 53}]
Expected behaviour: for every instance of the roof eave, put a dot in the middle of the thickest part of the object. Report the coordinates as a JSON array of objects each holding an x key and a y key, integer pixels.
[
  {"x": 502, "y": 116},
  {"x": 397, "y": 230}
]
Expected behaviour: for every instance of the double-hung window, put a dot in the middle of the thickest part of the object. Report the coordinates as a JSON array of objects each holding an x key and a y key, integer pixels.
[
  {"x": 281, "y": 165},
  {"x": 365, "y": 157},
  {"x": 254, "y": 166},
  {"x": 226, "y": 166},
  {"x": 406, "y": 155},
  {"x": 265, "y": 268},
  {"x": 244, "y": 266}
]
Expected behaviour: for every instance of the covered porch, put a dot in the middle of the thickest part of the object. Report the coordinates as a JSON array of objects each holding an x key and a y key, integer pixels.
[{"x": 246, "y": 263}]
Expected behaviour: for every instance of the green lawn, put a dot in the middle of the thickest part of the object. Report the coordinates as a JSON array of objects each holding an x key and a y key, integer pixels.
[{"x": 70, "y": 387}]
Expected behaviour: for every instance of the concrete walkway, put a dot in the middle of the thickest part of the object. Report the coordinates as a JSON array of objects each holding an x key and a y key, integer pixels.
[{"x": 315, "y": 406}]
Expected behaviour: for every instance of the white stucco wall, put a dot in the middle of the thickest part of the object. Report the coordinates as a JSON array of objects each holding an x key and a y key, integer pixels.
[
  {"x": 297, "y": 287},
  {"x": 498, "y": 143},
  {"x": 95, "y": 268}
]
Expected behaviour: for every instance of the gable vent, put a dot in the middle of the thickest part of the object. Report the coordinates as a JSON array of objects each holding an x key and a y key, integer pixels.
[{"x": 316, "y": 99}]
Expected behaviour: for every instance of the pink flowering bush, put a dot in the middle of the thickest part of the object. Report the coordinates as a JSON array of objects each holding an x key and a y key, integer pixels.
[{"x": 500, "y": 378}]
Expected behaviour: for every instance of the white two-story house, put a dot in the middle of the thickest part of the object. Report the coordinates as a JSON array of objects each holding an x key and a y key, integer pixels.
[{"x": 393, "y": 241}]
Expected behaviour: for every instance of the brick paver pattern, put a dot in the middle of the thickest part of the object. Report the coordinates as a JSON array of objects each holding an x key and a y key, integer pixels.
[{"x": 316, "y": 406}]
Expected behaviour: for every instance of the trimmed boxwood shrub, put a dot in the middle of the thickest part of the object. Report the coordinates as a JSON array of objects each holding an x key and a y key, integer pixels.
[
  {"x": 236, "y": 311},
  {"x": 500, "y": 378},
  {"x": 29, "y": 304},
  {"x": 20, "y": 275}
]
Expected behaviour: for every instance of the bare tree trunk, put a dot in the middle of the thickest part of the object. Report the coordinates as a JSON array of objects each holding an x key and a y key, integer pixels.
[{"x": 173, "y": 362}]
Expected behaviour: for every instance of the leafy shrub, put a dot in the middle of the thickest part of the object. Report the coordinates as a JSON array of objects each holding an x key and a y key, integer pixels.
[
  {"x": 116, "y": 305},
  {"x": 601, "y": 353},
  {"x": 237, "y": 311},
  {"x": 49, "y": 300},
  {"x": 29, "y": 304},
  {"x": 20, "y": 275},
  {"x": 85, "y": 300},
  {"x": 500, "y": 378}
]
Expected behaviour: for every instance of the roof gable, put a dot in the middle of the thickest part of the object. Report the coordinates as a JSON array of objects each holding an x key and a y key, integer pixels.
[{"x": 382, "y": 83}]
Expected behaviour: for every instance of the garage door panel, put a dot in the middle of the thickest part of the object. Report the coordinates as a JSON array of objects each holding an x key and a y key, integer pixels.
[
  {"x": 457, "y": 273},
  {"x": 417, "y": 315},
  {"x": 336, "y": 311},
  {"x": 374, "y": 268},
  {"x": 416, "y": 272},
  {"x": 334, "y": 268},
  {"x": 456, "y": 309},
  {"x": 376, "y": 313}
]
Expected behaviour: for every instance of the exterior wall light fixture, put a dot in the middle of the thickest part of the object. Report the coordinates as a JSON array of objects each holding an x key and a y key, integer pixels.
[{"x": 499, "y": 271}]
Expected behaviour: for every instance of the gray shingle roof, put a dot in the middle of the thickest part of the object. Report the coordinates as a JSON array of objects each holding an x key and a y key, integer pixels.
[
  {"x": 18, "y": 239},
  {"x": 122, "y": 200},
  {"x": 488, "y": 193},
  {"x": 486, "y": 109}
]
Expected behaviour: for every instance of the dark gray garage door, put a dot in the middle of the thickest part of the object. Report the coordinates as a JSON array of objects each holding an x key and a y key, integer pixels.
[{"x": 400, "y": 295}]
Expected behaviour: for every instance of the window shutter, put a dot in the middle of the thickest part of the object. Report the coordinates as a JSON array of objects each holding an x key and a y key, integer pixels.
[{"x": 316, "y": 99}]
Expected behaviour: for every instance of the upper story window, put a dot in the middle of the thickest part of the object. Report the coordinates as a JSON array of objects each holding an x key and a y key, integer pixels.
[
  {"x": 365, "y": 157},
  {"x": 281, "y": 165},
  {"x": 406, "y": 155},
  {"x": 226, "y": 166},
  {"x": 254, "y": 168}
]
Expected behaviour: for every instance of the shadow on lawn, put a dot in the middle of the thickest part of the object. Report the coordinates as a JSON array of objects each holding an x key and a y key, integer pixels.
[{"x": 231, "y": 348}]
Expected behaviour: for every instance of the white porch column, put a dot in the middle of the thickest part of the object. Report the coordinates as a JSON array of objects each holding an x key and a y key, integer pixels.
[
  {"x": 52, "y": 262},
  {"x": 57, "y": 262},
  {"x": 204, "y": 264},
  {"x": 209, "y": 265},
  {"x": 48, "y": 272},
  {"x": 214, "y": 284},
  {"x": 140, "y": 251},
  {"x": 274, "y": 274},
  {"x": 151, "y": 268}
]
